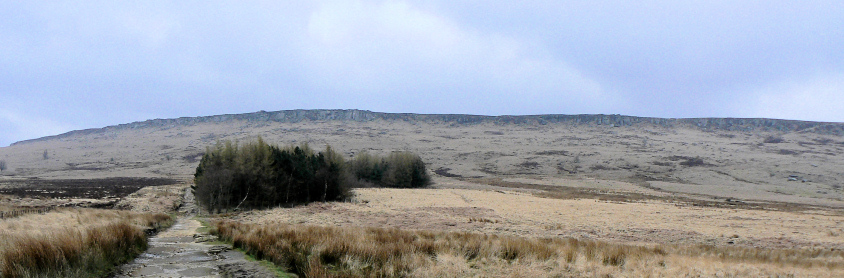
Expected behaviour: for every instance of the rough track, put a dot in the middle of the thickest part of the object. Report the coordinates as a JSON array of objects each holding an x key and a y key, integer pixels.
[{"x": 177, "y": 252}]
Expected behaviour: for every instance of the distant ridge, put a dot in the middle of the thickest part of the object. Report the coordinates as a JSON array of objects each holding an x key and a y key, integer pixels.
[{"x": 728, "y": 124}]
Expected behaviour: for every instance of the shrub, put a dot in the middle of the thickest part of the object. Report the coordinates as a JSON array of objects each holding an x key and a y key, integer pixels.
[
  {"x": 773, "y": 139},
  {"x": 693, "y": 161}
]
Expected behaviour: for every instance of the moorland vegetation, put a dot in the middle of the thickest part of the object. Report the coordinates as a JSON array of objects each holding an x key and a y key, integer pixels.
[
  {"x": 74, "y": 242},
  {"x": 320, "y": 251}
]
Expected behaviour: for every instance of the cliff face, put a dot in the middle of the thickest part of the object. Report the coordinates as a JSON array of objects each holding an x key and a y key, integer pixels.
[{"x": 726, "y": 124}]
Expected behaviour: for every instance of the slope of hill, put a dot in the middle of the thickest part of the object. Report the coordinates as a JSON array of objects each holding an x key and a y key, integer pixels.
[
  {"x": 294, "y": 116},
  {"x": 709, "y": 158}
]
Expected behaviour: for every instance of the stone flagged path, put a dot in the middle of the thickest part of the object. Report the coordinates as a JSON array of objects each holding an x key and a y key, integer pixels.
[{"x": 177, "y": 252}]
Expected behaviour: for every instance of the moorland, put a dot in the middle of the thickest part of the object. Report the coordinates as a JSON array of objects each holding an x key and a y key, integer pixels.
[{"x": 532, "y": 196}]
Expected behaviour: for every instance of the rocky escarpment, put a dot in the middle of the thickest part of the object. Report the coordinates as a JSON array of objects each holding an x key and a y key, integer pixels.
[{"x": 728, "y": 124}]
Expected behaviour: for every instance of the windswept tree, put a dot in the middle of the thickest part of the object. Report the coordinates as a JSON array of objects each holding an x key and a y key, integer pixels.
[
  {"x": 398, "y": 170},
  {"x": 214, "y": 177},
  {"x": 331, "y": 170},
  {"x": 405, "y": 170},
  {"x": 257, "y": 174},
  {"x": 368, "y": 169}
]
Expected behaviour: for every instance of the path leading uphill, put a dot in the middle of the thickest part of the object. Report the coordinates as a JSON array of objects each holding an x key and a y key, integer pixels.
[{"x": 179, "y": 252}]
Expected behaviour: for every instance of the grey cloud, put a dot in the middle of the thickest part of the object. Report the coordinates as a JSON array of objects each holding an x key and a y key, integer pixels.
[{"x": 90, "y": 64}]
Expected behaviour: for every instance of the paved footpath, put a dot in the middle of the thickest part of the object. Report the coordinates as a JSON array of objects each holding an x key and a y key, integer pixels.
[{"x": 177, "y": 252}]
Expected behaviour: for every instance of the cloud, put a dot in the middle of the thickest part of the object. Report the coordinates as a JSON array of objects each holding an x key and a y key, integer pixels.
[
  {"x": 816, "y": 98},
  {"x": 396, "y": 51},
  {"x": 21, "y": 126},
  {"x": 101, "y": 63}
]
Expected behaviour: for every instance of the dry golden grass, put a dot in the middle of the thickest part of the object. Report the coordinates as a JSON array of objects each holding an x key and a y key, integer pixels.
[
  {"x": 624, "y": 238},
  {"x": 73, "y": 242},
  {"x": 315, "y": 251},
  {"x": 523, "y": 214}
]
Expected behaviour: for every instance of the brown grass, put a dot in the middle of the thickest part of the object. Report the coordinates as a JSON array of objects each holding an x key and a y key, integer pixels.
[
  {"x": 50, "y": 246},
  {"x": 525, "y": 215},
  {"x": 315, "y": 251},
  {"x": 566, "y": 192}
]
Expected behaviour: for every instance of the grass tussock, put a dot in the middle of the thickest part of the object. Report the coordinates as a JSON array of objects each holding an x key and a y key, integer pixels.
[
  {"x": 806, "y": 258},
  {"x": 59, "y": 248},
  {"x": 315, "y": 251}
]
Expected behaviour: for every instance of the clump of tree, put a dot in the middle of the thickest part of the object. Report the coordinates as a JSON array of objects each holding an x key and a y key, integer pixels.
[
  {"x": 261, "y": 175},
  {"x": 257, "y": 174},
  {"x": 397, "y": 170}
]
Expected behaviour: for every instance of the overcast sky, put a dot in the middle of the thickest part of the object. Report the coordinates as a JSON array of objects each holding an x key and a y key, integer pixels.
[{"x": 86, "y": 64}]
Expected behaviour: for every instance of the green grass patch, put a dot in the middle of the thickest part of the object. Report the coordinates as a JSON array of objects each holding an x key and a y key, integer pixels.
[
  {"x": 206, "y": 226},
  {"x": 277, "y": 270}
]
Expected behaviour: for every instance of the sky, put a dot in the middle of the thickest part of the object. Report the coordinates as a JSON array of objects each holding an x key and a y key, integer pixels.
[{"x": 69, "y": 65}]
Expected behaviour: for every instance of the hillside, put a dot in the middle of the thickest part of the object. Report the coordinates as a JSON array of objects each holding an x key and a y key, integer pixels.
[
  {"x": 294, "y": 116},
  {"x": 709, "y": 158}
]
